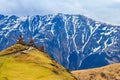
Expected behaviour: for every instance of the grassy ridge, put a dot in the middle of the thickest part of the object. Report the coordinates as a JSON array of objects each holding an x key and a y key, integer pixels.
[
  {"x": 110, "y": 72},
  {"x": 13, "y": 49},
  {"x": 30, "y": 64}
]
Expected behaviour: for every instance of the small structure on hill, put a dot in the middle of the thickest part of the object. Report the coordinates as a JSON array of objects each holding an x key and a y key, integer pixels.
[
  {"x": 31, "y": 42},
  {"x": 20, "y": 40}
]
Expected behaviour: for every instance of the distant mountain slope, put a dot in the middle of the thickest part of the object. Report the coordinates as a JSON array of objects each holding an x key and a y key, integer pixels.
[
  {"x": 75, "y": 41},
  {"x": 27, "y": 63},
  {"x": 111, "y": 72}
]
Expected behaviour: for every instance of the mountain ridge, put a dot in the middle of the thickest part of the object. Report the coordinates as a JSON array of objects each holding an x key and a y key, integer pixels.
[{"x": 64, "y": 36}]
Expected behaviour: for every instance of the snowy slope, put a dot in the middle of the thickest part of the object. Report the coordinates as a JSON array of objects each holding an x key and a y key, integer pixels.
[{"x": 74, "y": 41}]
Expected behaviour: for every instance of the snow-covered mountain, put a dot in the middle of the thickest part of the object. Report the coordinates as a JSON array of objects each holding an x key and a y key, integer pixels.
[{"x": 74, "y": 41}]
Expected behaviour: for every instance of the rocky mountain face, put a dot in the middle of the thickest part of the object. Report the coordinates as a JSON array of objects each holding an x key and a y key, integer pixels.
[{"x": 75, "y": 41}]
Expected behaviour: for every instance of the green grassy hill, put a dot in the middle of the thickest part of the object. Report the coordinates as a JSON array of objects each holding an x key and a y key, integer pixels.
[{"x": 27, "y": 63}]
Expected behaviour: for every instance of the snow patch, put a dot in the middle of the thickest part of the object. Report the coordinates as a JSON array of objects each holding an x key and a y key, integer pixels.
[
  {"x": 104, "y": 28},
  {"x": 83, "y": 38},
  {"x": 109, "y": 61},
  {"x": 96, "y": 49},
  {"x": 99, "y": 40},
  {"x": 22, "y": 18}
]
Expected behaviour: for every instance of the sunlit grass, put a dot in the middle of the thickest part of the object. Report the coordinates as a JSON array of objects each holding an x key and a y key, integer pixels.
[
  {"x": 13, "y": 49},
  {"x": 110, "y": 72},
  {"x": 30, "y": 65}
]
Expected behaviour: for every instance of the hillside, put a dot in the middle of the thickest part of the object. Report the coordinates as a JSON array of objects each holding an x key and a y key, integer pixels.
[
  {"x": 27, "y": 63},
  {"x": 110, "y": 72}
]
